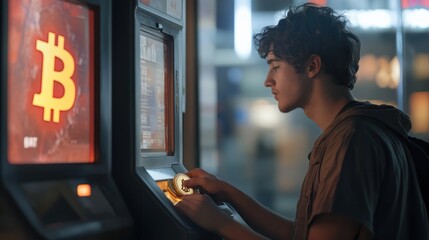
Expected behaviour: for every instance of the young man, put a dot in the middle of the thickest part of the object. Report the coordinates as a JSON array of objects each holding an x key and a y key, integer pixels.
[{"x": 359, "y": 184}]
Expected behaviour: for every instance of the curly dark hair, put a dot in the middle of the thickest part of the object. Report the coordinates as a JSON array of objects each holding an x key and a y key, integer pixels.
[{"x": 310, "y": 29}]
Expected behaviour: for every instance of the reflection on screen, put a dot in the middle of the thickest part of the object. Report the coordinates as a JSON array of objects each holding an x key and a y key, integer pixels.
[
  {"x": 154, "y": 110},
  {"x": 50, "y": 82}
]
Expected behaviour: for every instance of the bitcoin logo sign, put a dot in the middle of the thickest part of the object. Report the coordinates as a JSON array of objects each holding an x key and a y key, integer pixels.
[{"x": 46, "y": 98}]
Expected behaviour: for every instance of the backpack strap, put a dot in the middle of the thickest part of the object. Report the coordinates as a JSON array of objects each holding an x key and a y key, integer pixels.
[{"x": 417, "y": 152}]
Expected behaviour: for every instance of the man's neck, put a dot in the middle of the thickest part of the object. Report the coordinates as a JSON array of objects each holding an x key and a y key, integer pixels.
[{"x": 323, "y": 109}]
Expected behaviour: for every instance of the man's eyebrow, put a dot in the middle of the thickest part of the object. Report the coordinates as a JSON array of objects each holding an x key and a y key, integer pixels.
[{"x": 271, "y": 60}]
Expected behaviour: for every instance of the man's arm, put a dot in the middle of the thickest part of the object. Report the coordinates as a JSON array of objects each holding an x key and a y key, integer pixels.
[{"x": 258, "y": 217}]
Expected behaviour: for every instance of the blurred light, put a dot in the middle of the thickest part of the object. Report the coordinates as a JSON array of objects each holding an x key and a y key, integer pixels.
[
  {"x": 243, "y": 28},
  {"x": 265, "y": 115},
  {"x": 388, "y": 74},
  {"x": 416, "y": 18},
  {"x": 368, "y": 67},
  {"x": 413, "y": 19},
  {"x": 395, "y": 71},
  {"x": 385, "y": 19},
  {"x": 319, "y": 2},
  {"x": 419, "y": 111},
  {"x": 383, "y": 75},
  {"x": 84, "y": 190},
  {"x": 420, "y": 66},
  {"x": 368, "y": 19}
]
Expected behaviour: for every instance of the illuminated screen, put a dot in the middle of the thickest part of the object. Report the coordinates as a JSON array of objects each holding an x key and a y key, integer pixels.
[
  {"x": 156, "y": 101},
  {"x": 50, "y": 82}
]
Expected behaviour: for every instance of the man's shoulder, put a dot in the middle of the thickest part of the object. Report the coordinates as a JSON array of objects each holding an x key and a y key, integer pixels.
[{"x": 354, "y": 126}]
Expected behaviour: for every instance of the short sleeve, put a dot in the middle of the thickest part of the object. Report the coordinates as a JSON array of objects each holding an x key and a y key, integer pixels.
[{"x": 350, "y": 177}]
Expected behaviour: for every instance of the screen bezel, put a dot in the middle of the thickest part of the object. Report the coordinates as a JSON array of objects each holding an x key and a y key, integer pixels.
[
  {"x": 168, "y": 42},
  {"x": 152, "y": 22},
  {"x": 102, "y": 105}
]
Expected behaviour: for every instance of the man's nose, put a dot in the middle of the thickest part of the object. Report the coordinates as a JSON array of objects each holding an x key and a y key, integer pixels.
[{"x": 268, "y": 81}]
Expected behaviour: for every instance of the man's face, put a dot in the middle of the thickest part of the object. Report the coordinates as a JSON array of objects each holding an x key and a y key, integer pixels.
[{"x": 291, "y": 89}]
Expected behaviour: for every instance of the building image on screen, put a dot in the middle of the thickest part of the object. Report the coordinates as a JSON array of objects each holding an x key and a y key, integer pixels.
[
  {"x": 156, "y": 120},
  {"x": 50, "y": 82}
]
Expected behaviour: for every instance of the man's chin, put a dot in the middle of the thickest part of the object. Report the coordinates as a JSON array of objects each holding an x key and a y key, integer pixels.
[{"x": 286, "y": 109}]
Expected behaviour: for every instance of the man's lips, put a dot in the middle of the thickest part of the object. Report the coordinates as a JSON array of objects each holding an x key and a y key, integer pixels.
[{"x": 275, "y": 95}]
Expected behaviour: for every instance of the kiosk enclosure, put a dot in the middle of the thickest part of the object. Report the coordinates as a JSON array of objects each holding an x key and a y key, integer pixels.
[
  {"x": 56, "y": 128},
  {"x": 150, "y": 77}
]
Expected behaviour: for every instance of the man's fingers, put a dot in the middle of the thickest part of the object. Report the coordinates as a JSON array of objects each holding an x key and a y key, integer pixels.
[
  {"x": 196, "y": 172},
  {"x": 192, "y": 183}
]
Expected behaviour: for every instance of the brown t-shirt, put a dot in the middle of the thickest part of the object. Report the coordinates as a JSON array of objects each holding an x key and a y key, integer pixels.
[{"x": 359, "y": 169}]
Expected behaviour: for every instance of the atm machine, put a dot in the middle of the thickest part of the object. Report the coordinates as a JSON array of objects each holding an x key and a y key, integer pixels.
[
  {"x": 56, "y": 128},
  {"x": 149, "y": 80}
]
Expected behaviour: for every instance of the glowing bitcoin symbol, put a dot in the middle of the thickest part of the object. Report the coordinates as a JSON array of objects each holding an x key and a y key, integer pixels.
[{"x": 45, "y": 98}]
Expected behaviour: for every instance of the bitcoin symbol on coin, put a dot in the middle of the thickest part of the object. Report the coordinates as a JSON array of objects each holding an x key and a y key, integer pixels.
[
  {"x": 186, "y": 189},
  {"x": 46, "y": 99}
]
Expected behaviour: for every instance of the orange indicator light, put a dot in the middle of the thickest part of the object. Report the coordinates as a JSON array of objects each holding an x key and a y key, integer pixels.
[{"x": 84, "y": 190}]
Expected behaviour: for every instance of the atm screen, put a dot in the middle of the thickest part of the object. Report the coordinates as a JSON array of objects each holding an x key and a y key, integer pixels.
[
  {"x": 156, "y": 92},
  {"x": 50, "y": 93}
]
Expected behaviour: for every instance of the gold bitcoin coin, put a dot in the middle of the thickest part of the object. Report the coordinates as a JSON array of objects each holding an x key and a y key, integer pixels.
[{"x": 176, "y": 185}]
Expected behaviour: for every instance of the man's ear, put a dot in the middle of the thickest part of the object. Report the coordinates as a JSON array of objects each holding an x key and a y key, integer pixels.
[{"x": 314, "y": 66}]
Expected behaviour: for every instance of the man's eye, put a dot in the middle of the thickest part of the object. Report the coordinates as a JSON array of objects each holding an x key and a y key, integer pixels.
[{"x": 275, "y": 67}]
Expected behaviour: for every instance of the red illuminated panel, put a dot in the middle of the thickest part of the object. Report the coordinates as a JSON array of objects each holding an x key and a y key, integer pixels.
[
  {"x": 415, "y": 3},
  {"x": 319, "y": 2},
  {"x": 50, "y": 82}
]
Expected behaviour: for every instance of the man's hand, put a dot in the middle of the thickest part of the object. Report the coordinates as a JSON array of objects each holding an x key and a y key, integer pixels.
[
  {"x": 201, "y": 209},
  {"x": 207, "y": 183}
]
